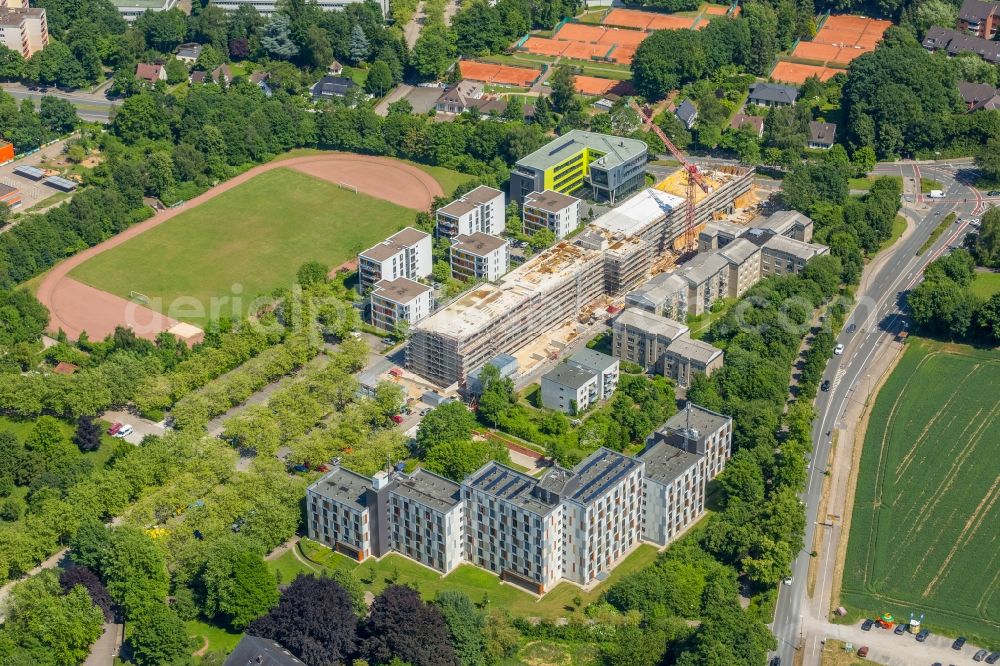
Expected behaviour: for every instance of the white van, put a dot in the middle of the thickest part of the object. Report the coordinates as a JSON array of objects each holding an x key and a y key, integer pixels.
[
  {"x": 936, "y": 194},
  {"x": 125, "y": 431}
]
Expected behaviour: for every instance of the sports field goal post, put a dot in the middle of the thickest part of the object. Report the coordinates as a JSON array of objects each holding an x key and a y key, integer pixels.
[
  {"x": 346, "y": 186},
  {"x": 138, "y": 296}
]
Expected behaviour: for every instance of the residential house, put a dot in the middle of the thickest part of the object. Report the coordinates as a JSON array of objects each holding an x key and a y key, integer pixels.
[
  {"x": 954, "y": 42},
  {"x": 332, "y": 87},
  {"x": 979, "y": 96},
  {"x": 479, "y": 256},
  {"x": 259, "y": 79},
  {"x": 23, "y": 29},
  {"x": 481, "y": 210},
  {"x": 662, "y": 346},
  {"x": 399, "y": 303},
  {"x": 222, "y": 75},
  {"x": 755, "y": 123},
  {"x": 407, "y": 253},
  {"x": 979, "y": 18},
  {"x": 789, "y": 223},
  {"x": 707, "y": 277},
  {"x": 673, "y": 489},
  {"x": 188, "y": 53},
  {"x": 150, "y": 73},
  {"x": 604, "y": 366},
  {"x": 687, "y": 357},
  {"x": 822, "y": 135},
  {"x": 334, "y": 68},
  {"x": 467, "y": 95},
  {"x": 744, "y": 266},
  {"x": 569, "y": 389},
  {"x": 257, "y": 651},
  {"x": 781, "y": 255},
  {"x": 557, "y": 212},
  {"x": 686, "y": 113},
  {"x": 197, "y": 77},
  {"x": 772, "y": 94}
]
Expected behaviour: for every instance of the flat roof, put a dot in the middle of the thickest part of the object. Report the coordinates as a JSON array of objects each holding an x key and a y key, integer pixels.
[
  {"x": 565, "y": 374},
  {"x": 30, "y": 171},
  {"x": 481, "y": 306},
  {"x": 638, "y": 212},
  {"x": 61, "y": 183},
  {"x": 510, "y": 486},
  {"x": 550, "y": 201},
  {"x": 482, "y": 194},
  {"x": 591, "y": 358},
  {"x": 666, "y": 463},
  {"x": 705, "y": 421},
  {"x": 395, "y": 244},
  {"x": 372, "y": 375},
  {"x": 344, "y": 487},
  {"x": 478, "y": 243},
  {"x": 6, "y": 190},
  {"x": 739, "y": 250},
  {"x": 694, "y": 349},
  {"x": 616, "y": 150},
  {"x": 598, "y": 472},
  {"x": 429, "y": 489},
  {"x": 400, "y": 290},
  {"x": 651, "y": 323},
  {"x": 702, "y": 268},
  {"x": 794, "y": 247}
]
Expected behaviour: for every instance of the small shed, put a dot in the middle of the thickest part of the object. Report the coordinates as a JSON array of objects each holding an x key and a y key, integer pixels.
[
  {"x": 29, "y": 172},
  {"x": 60, "y": 183},
  {"x": 64, "y": 368}
]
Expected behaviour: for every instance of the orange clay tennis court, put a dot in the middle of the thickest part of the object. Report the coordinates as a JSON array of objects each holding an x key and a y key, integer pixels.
[
  {"x": 579, "y": 32},
  {"x": 492, "y": 73},
  {"x": 632, "y": 18},
  {"x": 593, "y": 85},
  {"x": 795, "y": 73},
  {"x": 579, "y": 50},
  {"x": 623, "y": 55},
  {"x": 842, "y": 39}
]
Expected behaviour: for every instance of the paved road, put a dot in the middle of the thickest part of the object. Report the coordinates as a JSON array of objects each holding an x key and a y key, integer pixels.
[
  {"x": 89, "y": 106},
  {"x": 878, "y": 316}
]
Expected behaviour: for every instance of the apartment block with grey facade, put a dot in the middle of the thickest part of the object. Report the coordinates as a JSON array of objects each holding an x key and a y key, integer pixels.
[
  {"x": 479, "y": 256},
  {"x": 700, "y": 431},
  {"x": 743, "y": 258},
  {"x": 662, "y": 346},
  {"x": 569, "y": 389},
  {"x": 405, "y": 254},
  {"x": 481, "y": 209},
  {"x": 559, "y": 213},
  {"x": 342, "y": 511},
  {"x": 673, "y": 490},
  {"x": 606, "y": 368},
  {"x": 686, "y": 357}
]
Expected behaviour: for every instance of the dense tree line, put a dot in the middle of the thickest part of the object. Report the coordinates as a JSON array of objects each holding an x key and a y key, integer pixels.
[
  {"x": 944, "y": 306},
  {"x": 481, "y": 28}
]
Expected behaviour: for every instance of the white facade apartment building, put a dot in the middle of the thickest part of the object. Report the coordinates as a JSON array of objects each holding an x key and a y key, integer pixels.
[
  {"x": 559, "y": 213},
  {"x": 569, "y": 389},
  {"x": 700, "y": 431},
  {"x": 405, "y": 254},
  {"x": 479, "y": 256},
  {"x": 606, "y": 368},
  {"x": 603, "y": 517},
  {"x": 398, "y": 302},
  {"x": 426, "y": 519},
  {"x": 673, "y": 491},
  {"x": 268, "y": 7},
  {"x": 23, "y": 29},
  {"x": 482, "y": 209}
]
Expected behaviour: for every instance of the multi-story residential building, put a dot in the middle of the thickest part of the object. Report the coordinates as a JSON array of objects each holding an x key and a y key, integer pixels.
[
  {"x": 482, "y": 209},
  {"x": 790, "y": 223},
  {"x": 133, "y": 9},
  {"x": 399, "y": 302},
  {"x": 605, "y": 367},
  {"x": 341, "y": 509},
  {"x": 743, "y": 258},
  {"x": 603, "y": 513},
  {"x": 23, "y": 29},
  {"x": 609, "y": 166},
  {"x": 427, "y": 519},
  {"x": 569, "y": 389},
  {"x": 978, "y": 18},
  {"x": 559, "y": 213},
  {"x": 717, "y": 234},
  {"x": 673, "y": 491},
  {"x": 662, "y": 346},
  {"x": 479, "y": 256},
  {"x": 781, "y": 255},
  {"x": 707, "y": 276},
  {"x": 686, "y": 357},
  {"x": 665, "y": 294},
  {"x": 700, "y": 431},
  {"x": 514, "y": 525},
  {"x": 268, "y": 7},
  {"x": 405, "y": 254}
]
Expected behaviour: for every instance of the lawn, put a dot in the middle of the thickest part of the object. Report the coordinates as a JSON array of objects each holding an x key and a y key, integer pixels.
[
  {"x": 986, "y": 284},
  {"x": 474, "y": 582},
  {"x": 898, "y": 227},
  {"x": 924, "y": 535},
  {"x": 219, "y": 640},
  {"x": 247, "y": 241},
  {"x": 929, "y": 184}
]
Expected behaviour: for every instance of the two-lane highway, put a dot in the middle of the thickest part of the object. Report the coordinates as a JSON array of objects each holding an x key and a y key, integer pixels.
[{"x": 876, "y": 316}]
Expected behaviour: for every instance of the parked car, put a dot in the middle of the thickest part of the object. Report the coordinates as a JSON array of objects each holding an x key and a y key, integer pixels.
[
  {"x": 124, "y": 431},
  {"x": 776, "y": 661},
  {"x": 922, "y": 636},
  {"x": 863, "y": 651},
  {"x": 851, "y": 328},
  {"x": 980, "y": 656},
  {"x": 425, "y": 411},
  {"x": 825, "y": 386},
  {"x": 397, "y": 418},
  {"x": 900, "y": 629},
  {"x": 993, "y": 658},
  {"x": 301, "y": 468},
  {"x": 115, "y": 427},
  {"x": 867, "y": 625},
  {"x": 959, "y": 642},
  {"x": 787, "y": 581},
  {"x": 993, "y": 193},
  {"x": 839, "y": 349}
]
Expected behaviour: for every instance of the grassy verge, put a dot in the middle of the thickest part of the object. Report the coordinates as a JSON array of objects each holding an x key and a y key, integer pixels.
[
  {"x": 945, "y": 223},
  {"x": 835, "y": 653},
  {"x": 928, "y": 184},
  {"x": 898, "y": 227},
  {"x": 986, "y": 284},
  {"x": 699, "y": 325}
]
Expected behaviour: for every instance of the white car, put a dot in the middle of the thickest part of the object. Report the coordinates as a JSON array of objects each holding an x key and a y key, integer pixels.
[
  {"x": 839, "y": 349},
  {"x": 787, "y": 581},
  {"x": 125, "y": 431},
  {"x": 936, "y": 194}
]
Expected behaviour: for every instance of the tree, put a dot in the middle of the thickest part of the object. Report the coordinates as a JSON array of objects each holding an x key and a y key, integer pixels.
[
  {"x": 358, "y": 47},
  {"x": 929, "y": 13},
  {"x": 91, "y": 544},
  {"x": 12, "y": 64},
  {"x": 318, "y": 50},
  {"x": 45, "y": 437},
  {"x": 451, "y": 422},
  {"x": 157, "y": 636},
  {"x": 379, "y": 79},
  {"x": 988, "y": 241},
  {"x": 134, "y": 570},
  {"x": 988, "y": 161},
  {"x": 238, "y": 586},
  {"x": 311, "y": 273},
  {"x": 433, "y": 53},
  {"x": 208, "y": 59},
  {"x": 458, "y": 459},
  {"x": 401, "y": 625},
  {"x": 563, "y": 88},
  {"x": 177, "y": 71},
  {"x": 163, "y": 31},
  {"x": 667, "y": 60},
  {"x": 466, "y": 624},
  {"x": 314, "y": 620},
  {"x": 88, "y": 434},
  {"x": 277, "y": 39},
  {"x": 75, "y": 575},
  {"x": 58, "y": 115},
  {"x": 158, "y": 174}
]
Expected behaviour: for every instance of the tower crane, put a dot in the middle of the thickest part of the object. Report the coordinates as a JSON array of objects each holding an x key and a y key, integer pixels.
[{"x": 694, "y": 177}]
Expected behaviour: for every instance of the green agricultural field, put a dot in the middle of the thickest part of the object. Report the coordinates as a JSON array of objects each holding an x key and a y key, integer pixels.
[
  {"x": 924, "y": 532},
  {"x": 255, "y": 236}
]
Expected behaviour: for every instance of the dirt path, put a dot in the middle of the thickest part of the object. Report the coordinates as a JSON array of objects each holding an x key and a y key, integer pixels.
[{"x": 75, "y": 307}]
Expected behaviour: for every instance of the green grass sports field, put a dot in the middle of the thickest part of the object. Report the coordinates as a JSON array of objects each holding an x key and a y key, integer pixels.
[
  {"x": 925, "y": 531},
  {"x": 255, "y": 235}
]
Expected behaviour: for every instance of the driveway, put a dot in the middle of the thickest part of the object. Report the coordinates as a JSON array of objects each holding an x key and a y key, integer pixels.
[{"x": 140, "y": 426}]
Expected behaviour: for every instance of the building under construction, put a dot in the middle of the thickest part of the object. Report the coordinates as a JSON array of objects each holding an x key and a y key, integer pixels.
[{"x": 612, "y": 256}]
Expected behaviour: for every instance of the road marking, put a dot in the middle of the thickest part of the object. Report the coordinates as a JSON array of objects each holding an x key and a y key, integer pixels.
[{"x": 839, "y": 376}]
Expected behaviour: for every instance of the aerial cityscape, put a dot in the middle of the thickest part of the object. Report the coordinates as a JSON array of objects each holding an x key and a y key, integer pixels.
[{"x": 499, "y": 332}]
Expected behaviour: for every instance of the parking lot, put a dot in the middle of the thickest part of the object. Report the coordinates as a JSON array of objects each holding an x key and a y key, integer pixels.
[{"x": 31, "y": 191}]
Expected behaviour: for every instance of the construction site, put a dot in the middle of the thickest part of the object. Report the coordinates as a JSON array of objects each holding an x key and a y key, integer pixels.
[{"x": 540, "y": 305}]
